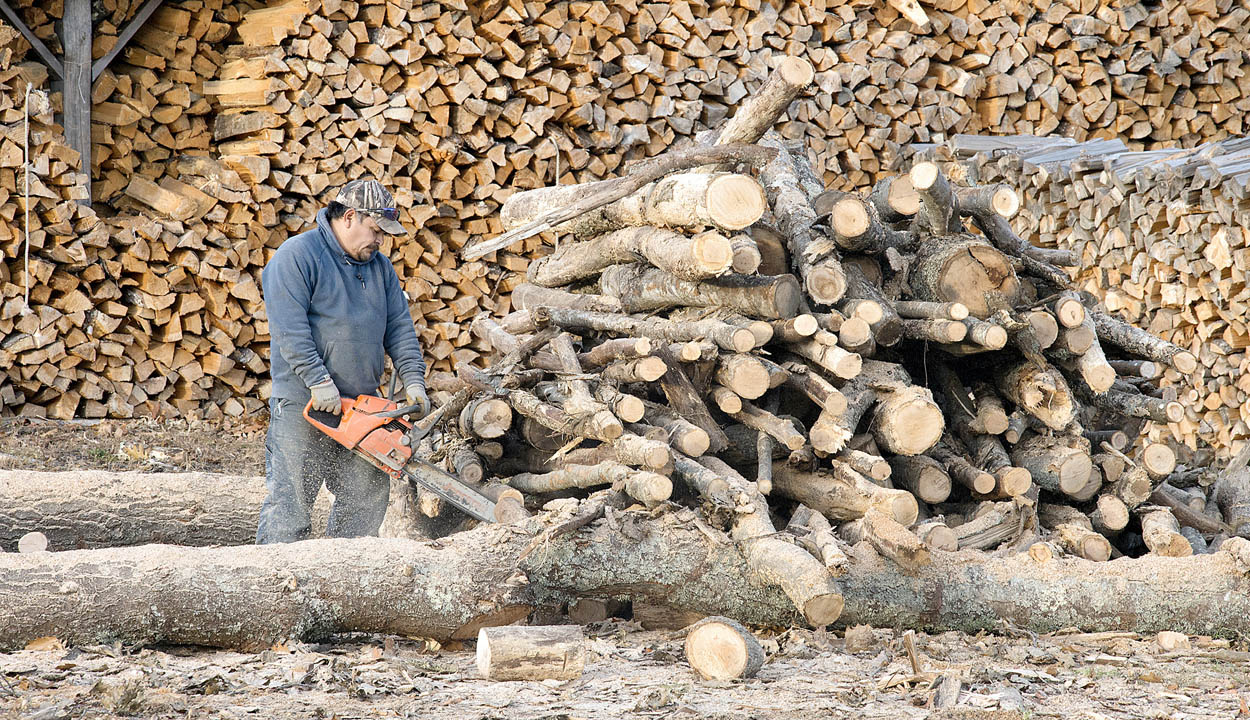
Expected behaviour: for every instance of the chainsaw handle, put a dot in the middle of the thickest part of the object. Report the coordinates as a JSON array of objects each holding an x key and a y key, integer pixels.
[
  {"x": 398, "y": 412},
  {"x": 321, "y": 419}
]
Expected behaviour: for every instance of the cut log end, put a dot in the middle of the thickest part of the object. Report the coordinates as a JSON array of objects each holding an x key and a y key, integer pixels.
[
  {"x": 651, "y": 369},
  {"x": 735, "y": 201},
  {"x": 1015, "y": 481},
  {"x": 1069, "y": 312},
  {"x": 984, "y": 483},
  {"x": 743, "y": 340},
  {"x": 806, "y": 325},
  {"x": 957, "y": 311},
  {"x": 1006, "y": 202},
  {"x": 722, "y": 649},
  {"x": 823, "y": 609},
  {"x": 850, "y": 217},
  {"x": 629, "y": 408},
  {"x": 796, "y": 71},
  {"x": 911, "y": 428},
  {"x": 855, "y": 332},
  {"x": 712, "y": 253},
  {"x": 1158, "y": 459},
  {"x": 923, "y": 175},
  {"x": 1185, "y": 362},
  {"x": 1100, "y": 378},
  {"x": 1174, "y": 411},
  {"x": 826, "y": 284},
  {"x": 1074, "y": 473},
  {"x": 902, "y": 196}
]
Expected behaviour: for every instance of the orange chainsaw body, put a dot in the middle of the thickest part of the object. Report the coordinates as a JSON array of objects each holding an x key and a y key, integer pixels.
[{"x": 368, "y": 435}]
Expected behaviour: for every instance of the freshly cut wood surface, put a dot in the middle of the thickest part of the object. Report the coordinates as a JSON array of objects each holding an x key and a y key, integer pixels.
[
  {"x": 719, "y": 648},
  {"x": 550, "y": 652}
]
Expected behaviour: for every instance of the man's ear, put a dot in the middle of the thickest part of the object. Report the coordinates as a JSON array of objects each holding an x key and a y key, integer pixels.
[{"x": 349, "y": 215}]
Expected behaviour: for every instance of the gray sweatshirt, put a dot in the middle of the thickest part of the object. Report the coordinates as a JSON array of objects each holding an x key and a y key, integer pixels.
[{"x": 331, "y": 316}]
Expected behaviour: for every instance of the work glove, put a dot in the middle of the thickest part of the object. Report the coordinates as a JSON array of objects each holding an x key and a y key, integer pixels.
[
  {"x": 325, "y": 397},
  {"x": 414, "y": 392}
]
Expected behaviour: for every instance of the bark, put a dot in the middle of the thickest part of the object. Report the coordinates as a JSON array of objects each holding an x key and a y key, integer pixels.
[
  {"x": 815, "y": 387},
  {"x": 726, "y": 336},
  {"x": 591, "y": 196},
  {"x": 842, "y": 495},
  {"x": 822, "y": 350},
  {"x": 1058, "y": 463},
  {"x": 982, "y": 200},
  {"x": 628, "y": 408},
  {"x": 781, "y": 429},
  {"x": 486, "y": 328},
  {"x": 795, "y": 329},
  {"x": 888, "y": 538},
  {"x": 1090, "y": 363},
  {"x": 555, "y": 419},
  {"x": 554, "y": 652},
  {"x": 960, "y": 469},
  {"x": 609, "y": 351},
  {"x": 931, "y": 310},
  {"x": 761, "y": 111},
  {"x": 987, "y": 335},
  {"x": 815, "y": 534},
  {"x": 966, "y": 270},
  {"x": 721, "y": 649},
  {"x": 823, "y": 277},
  {"x": 648, "y": 488},
  {"x": 887, "y": 330},
  {"x": 746, "y": 254},
  {"x": 938, "y": 331},
  {"x": 774, "y": 561},
  {"x": 684, "y": 435},
  {"x": 629, "y": 449},
  {"x": 925, "y": 477},
  {"x": 869, "y": 465},
  {"x": 1162, "y": 534},
  {"x": 937, "y": 214},
  {"x": 1083, "y": 542},
  {"x": 854, "y": 225},
  {"x": 526, "y": 296},
  {"x": 1043, "y": 393},
  {"x": 1142, "y": 344},
  {"x": 105, "y": 509},
  {"x": 1110, "y": 515},
  {"x": 643, "y": 369},
  {"x": 643, "y": 289},
  {"x": 1169, "y": 497},
  {"x": 991, "y": 417},
  {"x": 994, "y": 524},
  {"x": 697, "y": 257},
  {"x": 1044, "y": 326},
  {"x": 685, "y": 399}
]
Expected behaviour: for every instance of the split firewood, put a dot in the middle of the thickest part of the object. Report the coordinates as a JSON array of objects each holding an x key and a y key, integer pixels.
[
  {"x": 553, "y": 652},
  {"x": 814, "y": 532},
  {"x": 887, "y": 537},
  {"x": 1161, "y": 533}
]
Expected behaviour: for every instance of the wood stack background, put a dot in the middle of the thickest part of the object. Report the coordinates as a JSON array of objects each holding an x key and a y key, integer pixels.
[
  {"x": 223, "y": 126},
  {"x": 1162, "y": 241}
]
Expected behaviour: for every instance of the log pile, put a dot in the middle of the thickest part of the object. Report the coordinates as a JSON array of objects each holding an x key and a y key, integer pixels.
[
  {"x": 1160, "y": 237},
  {"x": 223, "y": 126},
  {"x": 951, "y": 392}
]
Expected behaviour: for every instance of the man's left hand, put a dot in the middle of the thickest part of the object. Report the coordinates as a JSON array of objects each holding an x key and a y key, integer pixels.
[{"x": 415, "y": 395}]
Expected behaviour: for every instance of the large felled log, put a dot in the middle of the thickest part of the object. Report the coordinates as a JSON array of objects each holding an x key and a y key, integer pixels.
[
  {"x": 695, "y": 257},
  {"x": 642, "y": 289},
  {"x": 965, "y": 270},
  {"x": 92, "y": 509},
  {"x": 254, "y": 596},
  {"x": 554, "y": 652}
]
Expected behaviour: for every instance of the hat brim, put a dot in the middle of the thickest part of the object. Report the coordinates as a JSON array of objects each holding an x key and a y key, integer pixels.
[{"x": 390, "y": 227}]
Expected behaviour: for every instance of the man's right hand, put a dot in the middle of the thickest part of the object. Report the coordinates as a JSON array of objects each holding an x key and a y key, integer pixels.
[{"x": 325, "y": 397}]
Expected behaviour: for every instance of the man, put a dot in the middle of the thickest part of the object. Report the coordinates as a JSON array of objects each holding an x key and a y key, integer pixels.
[{"x": 334, "y": 306}]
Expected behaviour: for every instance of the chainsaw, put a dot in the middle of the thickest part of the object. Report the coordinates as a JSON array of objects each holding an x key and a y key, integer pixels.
[{"x": 375, "y": 429}]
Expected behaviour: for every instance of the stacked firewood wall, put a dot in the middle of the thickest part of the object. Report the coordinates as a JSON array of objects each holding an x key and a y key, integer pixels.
[
  {"x": 223, "y": 126},
  {"x": 1162, "y": 241}
]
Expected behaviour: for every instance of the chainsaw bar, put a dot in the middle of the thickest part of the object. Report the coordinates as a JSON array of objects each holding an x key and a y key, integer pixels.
[{"x": 445, "y": 485}]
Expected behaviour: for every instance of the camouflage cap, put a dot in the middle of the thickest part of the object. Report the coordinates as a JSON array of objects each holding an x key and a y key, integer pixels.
[{"x": 369, "y": 196}]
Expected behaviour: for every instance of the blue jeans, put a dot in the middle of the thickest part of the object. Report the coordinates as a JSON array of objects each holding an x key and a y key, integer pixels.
[{"x": 299, "y": 459}]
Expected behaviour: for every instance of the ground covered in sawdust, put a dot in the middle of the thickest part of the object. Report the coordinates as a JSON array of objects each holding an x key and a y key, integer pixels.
[
  {"x": 636, "y": 673},
  {"x": 630, "y": 672}
]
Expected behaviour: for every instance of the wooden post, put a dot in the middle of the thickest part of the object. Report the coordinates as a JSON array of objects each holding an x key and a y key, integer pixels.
[{"x": 76, "y": 94}]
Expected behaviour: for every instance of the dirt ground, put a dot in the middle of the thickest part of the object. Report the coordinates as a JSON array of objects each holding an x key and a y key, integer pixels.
[{"x": 630, "y": 672}]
